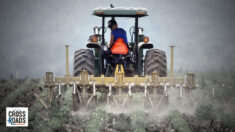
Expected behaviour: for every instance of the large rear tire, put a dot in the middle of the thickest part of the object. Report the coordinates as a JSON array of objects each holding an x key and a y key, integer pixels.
[
  {"x": 83, "y": 59},
  {"x": 155, "y": 60}
]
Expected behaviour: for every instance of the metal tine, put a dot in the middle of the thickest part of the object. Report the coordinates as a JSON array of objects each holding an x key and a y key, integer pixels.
[
  {"x": 79, "y": 96},
  {"x": 165, "y": 88},
  {"x": 59, "y": 89},
  {"x": 74, "y": 87},
  {"x": 160, "y": 101},
  {"x": 109, "y": 94},
  {"x": 93, "y": 95},
  {"x": 181, "y": 91},
  {"x": 129, "y": 89},
  {"x": 128, "y": 94},
  {"x": 148, "y": 95},
  {"x": 145, "y": 89},
  {"x": 41, "y": 101},
  {"x": 94, "y": 89},
  {"x": 110, "y": 89}
]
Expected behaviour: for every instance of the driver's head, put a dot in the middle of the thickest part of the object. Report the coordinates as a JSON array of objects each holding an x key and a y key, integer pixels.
[{"x": 112, "y": 24}]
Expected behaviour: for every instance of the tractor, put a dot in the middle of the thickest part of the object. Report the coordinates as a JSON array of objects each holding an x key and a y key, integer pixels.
[
  {"x": 138, "y": 72},
  {"x": 94, "y": 61}
]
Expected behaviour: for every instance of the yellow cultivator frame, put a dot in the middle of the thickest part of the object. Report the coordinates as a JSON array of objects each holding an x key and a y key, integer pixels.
[{"x": 123, "y": 86}]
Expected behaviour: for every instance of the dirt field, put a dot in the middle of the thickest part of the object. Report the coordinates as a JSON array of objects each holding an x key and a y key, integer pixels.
[{"x": 209, "y": 108}]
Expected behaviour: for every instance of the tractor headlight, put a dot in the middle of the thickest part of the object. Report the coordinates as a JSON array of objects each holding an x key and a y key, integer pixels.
[
  {"x": 146, "y": 39},
  {"x": 94, "y": 38},
  {"x": 105, "y": 48}
]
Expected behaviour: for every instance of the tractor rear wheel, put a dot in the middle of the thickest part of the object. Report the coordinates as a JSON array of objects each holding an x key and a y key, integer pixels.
[
  {"x": 155, "y": 60},
  {"x": 83, "y": 59}
]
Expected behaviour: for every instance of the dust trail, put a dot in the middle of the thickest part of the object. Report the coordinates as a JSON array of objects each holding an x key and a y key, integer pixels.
[
  {"x": 198, "y": 110},
  {"x": 134, "y": 116}
]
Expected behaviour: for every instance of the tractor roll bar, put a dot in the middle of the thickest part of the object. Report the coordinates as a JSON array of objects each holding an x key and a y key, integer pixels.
[
  {"x": 103, "y": 43},
  {"x": 136, "y": 44}
]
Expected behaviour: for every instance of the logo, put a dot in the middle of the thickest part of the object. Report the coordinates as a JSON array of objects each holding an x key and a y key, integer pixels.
[{"x": 16, "y": 116}]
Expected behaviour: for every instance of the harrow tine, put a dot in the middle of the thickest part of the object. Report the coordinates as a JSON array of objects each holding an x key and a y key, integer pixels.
[
  {"x": 110, "y": 96},
  {"x": 59, "y": 97},
  {"x": 162, "y": 96},
  {"x": 181, "y": 91},
  {"x": 41, "y": 101},
  {"x": 94, "y": 89},
  {"x": 125, "y": 100},
  {"x": 110, "y": 89},
  {"x": 79, "y": 95},
  {"x": 74, "y": 87},
  {"x": 93, "y": 95},
  {"x": 150, "y": 100},
  {"x": 129, "y": 89},
  {"x": 147, "y": 95},
  {"x": 145, "y": 90},
  {"x": 75, "y": 99},
  {"x": 59, "y": 89},
  {"x": 159, "y": 102},
  {"x": 165, "y": 88},
  {"x": 128, "y": 94},
  {"x": 88, "y": 102}
]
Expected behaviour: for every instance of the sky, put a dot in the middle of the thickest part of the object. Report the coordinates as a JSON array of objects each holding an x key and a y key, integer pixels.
[{"x": 33, "y": 32}]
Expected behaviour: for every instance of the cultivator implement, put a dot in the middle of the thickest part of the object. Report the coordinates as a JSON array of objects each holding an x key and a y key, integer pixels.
[{"x": 119, "y": 89}]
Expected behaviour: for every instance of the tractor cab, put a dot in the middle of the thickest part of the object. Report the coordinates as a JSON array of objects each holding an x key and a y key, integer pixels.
[{"x": 138, "y": 41}]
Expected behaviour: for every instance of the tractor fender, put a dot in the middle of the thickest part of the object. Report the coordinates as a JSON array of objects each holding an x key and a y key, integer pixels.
[
  {"x": 93, "y": 45},
  {"x": 143, "y": 45}
]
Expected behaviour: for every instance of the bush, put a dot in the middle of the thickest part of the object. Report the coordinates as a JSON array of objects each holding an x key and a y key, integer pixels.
[
  {"x": 96, "y": 121},
  {"x": 137, "y": 121},
  {"x": 178, "y": 122},
  {"x": 205, "y": 112}
]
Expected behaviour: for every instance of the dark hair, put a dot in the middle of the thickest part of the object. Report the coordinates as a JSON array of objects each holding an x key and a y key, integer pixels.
[{"x": 111, "y": 23}]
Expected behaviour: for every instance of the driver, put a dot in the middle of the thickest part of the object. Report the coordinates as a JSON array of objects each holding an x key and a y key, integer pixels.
[{"x": 118, "y": 39}]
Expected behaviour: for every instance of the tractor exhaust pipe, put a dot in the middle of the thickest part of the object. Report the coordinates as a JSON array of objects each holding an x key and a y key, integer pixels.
[
  {"x": 67, "y": 60},
  {"x": 172, "y": 56}
]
